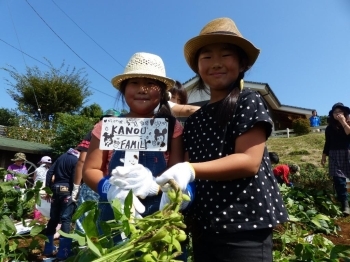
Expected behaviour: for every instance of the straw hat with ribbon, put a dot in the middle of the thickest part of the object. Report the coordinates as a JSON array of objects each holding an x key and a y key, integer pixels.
[
  {"x": 144, "y": 65},
  {"x": 220, "y": 30},
  {"x": 19, "y": 157}
]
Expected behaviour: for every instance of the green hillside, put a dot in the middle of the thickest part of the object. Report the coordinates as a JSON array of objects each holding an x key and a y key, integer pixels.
[{"x": 299, "y": 149}]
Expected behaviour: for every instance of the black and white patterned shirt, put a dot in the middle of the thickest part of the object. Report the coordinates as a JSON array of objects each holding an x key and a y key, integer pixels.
[{"x": 240, "y": 204}]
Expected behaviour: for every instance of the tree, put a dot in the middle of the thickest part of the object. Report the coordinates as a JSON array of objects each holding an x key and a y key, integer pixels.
[
  {"x": 93, "y": 111},
  {"x": 8, "y": 117},
  {"x": 44, "y": 94},
  {"x": 70, "y": 130}
]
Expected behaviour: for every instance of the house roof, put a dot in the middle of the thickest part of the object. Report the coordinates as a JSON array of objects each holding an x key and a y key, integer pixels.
[
  {"x": 197, "y": 97},
  {"x": 10, "y": 144}
]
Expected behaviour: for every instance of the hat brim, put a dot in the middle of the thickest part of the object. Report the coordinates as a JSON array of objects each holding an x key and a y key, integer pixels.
[
  {"x": 345, "y": 108},
  {"x": 18, "y": 159},
  {"x": 116, "y": 81},
  {"x": 193, "y": 45}
]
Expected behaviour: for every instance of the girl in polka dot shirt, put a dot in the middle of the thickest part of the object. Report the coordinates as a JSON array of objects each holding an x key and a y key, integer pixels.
[{"x": 237, "y": 201}]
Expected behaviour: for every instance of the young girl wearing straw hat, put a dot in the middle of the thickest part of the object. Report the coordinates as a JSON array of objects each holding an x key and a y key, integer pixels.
[
  {"x": 144, "y": 86},
  {"x": 237, "y": 201}
]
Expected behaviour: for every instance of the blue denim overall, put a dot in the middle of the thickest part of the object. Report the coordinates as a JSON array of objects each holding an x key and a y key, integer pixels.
[{"x": 155, "y": 162}]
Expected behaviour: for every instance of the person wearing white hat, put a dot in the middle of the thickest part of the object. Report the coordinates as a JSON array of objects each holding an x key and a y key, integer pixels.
[
  {"x": 40, "y": 175},
  {"x": 237, "y": 201},
  {"x": 144, "y": 85}
]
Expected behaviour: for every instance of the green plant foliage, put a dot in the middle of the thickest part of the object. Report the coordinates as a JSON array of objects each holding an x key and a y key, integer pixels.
[
  {"x": 92, "y": 111},
  {"x": 156, "y": 237},
  {"x": 299, "y": 152},
  {"x": 15, "y": 205},
  {"x": 311, "y": 213},
  {"x": 70, "y": 130},
  {"x": 301, "y": 126},
  {"x": 7, "y": 116},
  {"x": 29, "y": 129}
]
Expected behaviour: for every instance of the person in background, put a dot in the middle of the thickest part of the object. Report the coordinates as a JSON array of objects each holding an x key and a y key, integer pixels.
[
  {"x": 82, "y": 192},
  {"x": 336, "y": 148},
  {"x": 40, "y": 175},
  {"x": 282, "y": 173},
  {"x": 62, "y": 205},
  {"x": 315, "y": 120},
  {"x": 237, "y": 202},
  {"x": 274, "y": 158},
  {"x": 17, "y": 167},
  {"x": 178, "y": 101}
]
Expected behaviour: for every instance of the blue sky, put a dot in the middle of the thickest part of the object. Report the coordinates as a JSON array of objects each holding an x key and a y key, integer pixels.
[{"x": 305, "y": 56}]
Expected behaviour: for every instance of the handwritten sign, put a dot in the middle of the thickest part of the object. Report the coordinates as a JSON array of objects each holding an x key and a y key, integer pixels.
[{"x": 134, "y": 134}]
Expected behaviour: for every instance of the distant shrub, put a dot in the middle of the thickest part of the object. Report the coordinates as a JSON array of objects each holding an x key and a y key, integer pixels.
[
  {"x": 312, "y": 177},
  {"x": 301, "y": 126},
  {"x": 299, "y": 152}
]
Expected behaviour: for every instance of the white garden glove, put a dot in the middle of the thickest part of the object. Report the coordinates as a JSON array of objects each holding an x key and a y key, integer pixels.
[
  {"x": 182, "y": 173},
  {"x": 137, "y": 178},
  {"x": 75, "y": 192},
  {"x": 115, "y": 192}
]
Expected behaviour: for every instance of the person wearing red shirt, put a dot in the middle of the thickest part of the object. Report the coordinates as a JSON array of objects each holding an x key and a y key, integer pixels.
[{"x": 282, "y": 172}]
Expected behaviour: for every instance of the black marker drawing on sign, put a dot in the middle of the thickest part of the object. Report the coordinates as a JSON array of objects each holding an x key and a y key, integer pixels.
[{"x": 160, "y": 137}]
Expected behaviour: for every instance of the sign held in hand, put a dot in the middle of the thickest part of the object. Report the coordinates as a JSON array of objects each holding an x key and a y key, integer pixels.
[{"x": 134, "y": 134}]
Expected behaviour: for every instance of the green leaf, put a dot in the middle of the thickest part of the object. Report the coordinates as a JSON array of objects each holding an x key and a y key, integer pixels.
[
  {"x": 36, "y": 229},
  {"x": 128, "y": 204},
  {"x": 340, "y": 251},
  {"x": 81, "y": 240},
  {"x": 316, "y": 222},
  {"x": 89, "y": 225},
  {"x": 117, "y": 209},
  {"x": 293, "y": 218},
  {"x": 9, "y": 224},
  {"x": 93, "y": 247},
  {"x": 3, "y": 241},
  {"x": 322, "y": 217},
  {"x": 28, "y": 196},
  {"x": 83, "y": 208},
  {"x": 176, "y": 244}
]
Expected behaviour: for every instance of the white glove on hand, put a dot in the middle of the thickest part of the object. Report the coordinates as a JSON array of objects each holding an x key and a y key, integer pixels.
[
  {"x": 182, "y": 173},
  {"x": 115, "y": 192},
  {"x": 75, "y": 192},
  {"x": 137, "y": 178}
]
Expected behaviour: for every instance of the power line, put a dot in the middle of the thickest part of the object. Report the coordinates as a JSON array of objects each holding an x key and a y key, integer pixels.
[
  {"x": 23, "y": 52},
  {"x": 67, "y": 44},
  {"x": 48, "y": 65},
  {"x": 19, "y": 43},
  {"x": 88, "y": 35}
]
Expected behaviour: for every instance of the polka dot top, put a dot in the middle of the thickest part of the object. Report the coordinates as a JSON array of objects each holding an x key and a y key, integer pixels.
[{"x": 240, "y": 204}]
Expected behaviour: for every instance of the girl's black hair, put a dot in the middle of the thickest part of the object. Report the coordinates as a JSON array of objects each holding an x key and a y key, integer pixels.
[
  {"x": 164, "y": 110},
  {"x": 227, "y": 108},
  {"x": 179, "y": 90},
  {"x": 274, "y": 158}
]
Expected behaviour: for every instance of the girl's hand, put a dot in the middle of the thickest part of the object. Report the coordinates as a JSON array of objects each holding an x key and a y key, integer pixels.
[
  {"x": 182, "y": 173},
  {"x": 340, "y": 117},
  {"x": 137, "y": 178}
]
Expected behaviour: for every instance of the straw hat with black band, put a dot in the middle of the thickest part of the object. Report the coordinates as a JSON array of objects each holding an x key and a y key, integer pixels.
[
  {"x": 144, "y": 65},
  {"x": 220, "y": 30}
]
